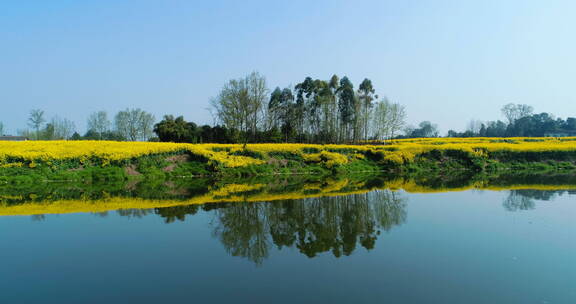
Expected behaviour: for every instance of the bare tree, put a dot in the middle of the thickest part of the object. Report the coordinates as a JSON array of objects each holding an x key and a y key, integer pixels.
[
  {"x": 134, "y": 124},
  {"x": 397, "y": 118},
  {"x": 36, "y": 120},
  {"x": 230, "y": 106},
  {"x": 146, "y": 125},
  {"x": 257, "y": 96},
  {"x": 98, "y": 122},
  {"x": 513, "y": 112},
  {"x": 24, "y": 132},
  {"x": 388, "y": 119},
  {"x": 62, "y": 128},
  {"x": 241, "y": 103},
  {"x": 381, "y": 120},
  {"x": 474, "y": 126}
]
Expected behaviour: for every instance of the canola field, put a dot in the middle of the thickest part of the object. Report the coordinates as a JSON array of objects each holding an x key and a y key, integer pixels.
[{"x": 105, "y": 153}]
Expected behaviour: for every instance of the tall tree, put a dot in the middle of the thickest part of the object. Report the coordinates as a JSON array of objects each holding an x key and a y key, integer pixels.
[
  {"x": 257, "y": 96},
  {"x": 1, "y": 128},
  {"x": 36, "y": 120},
  {"x": 99, "y": 123},
  {"x": 281, "y": 108},
  {"x": 346, "y": 107},
  {"x": 328, "y": 108},
  {"x": 366, "y": 96},
  {"x": 274, "y": 108},
  {"x": 306, "y": 108},
  {"x": 333, "y": 86}
]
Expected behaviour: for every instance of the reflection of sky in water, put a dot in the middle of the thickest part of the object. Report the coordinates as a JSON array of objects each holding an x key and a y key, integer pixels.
[{"x": 456, "y": 247}]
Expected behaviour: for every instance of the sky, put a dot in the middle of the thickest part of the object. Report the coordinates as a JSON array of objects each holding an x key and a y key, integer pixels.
[{"x": 447, "y": 62}]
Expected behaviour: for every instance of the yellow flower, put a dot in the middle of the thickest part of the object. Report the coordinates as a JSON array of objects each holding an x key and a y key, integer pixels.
[{"x": 104, "y": 153}]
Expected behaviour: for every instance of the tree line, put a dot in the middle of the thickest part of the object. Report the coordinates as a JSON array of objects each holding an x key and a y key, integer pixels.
[
  {"x": 313, "y": 111},
  {"x": 520, "y": 122},
  {"x": 130, "y": 124}
]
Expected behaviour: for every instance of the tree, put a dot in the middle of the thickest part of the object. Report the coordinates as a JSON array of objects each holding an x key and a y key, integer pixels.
[
  {"x": 306, "y": 109},
  {"x": 320, "y": 111},
  {"x": 496, "y": 129},
  {"x": 482, "y": 131},
  {"x": 62, "y": 128},
  {"x": 316, "y": 109},
  {"x": 326, "y": 100},
  {"x": 48, "y": 132},
  {"x": 366, "y": 96},
  {"x": 334, "y": 116},
  {"x": 176, "y": 130},
  {"x": 474, "y": 126},
  {"x": 381, "y": 120},
  {"x": 281, "y": 109},
  {"x": 240, "y": 105},
  {"x": 76, "y": 136},
  {"x": 570, "y": 124},
  {"x": 397, "y": 118},
  {"x": 346, "y": 107},
  {"x": 108, "y": 135},
  {"x": 452, "y": 133},
  {"x": 274, "y": 107},
  {"x": 257, "y": 95},
  {"x": 146, "y": 125},
  {"x": 134, "y": 124},
  {"x": 388, "y": 119},
  {"x": 513, "y": 112},
  {"x": 99, "y": 123},
  {"x": 36, "y": 120},
  {"x": 1, "y": 128},
  {"x": 426, "y": 129},
  {"x": 533, "y": 125}
]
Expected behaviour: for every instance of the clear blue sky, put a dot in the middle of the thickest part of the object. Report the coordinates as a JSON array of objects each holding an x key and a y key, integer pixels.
[{"x": 446, "y": 61}]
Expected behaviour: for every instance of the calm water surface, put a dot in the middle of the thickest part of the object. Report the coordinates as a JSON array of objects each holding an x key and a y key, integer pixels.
[{"x": 377, "y": 247}]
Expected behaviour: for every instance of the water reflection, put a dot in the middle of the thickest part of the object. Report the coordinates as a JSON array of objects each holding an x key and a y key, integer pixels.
[
  {"x": 186, "y": 194},
  {"x": 314, "y": 225},
  {"x": 251, "y": 217},
  {"x": 525, "y": 199}
]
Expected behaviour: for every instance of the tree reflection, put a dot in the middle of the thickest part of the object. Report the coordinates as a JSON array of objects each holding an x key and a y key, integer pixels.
[
  {"x": 172, "y": 214},
  {"x": 135, "y": 213},
  {"x": 243, "y": 230},
  {"x": 313, "y": 225},
  {"x": 524, "y": 199},
  {"x": 516, "y": 201}
]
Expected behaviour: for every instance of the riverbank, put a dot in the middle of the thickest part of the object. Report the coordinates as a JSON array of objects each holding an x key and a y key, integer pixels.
[{"x": 95, "y": 161}]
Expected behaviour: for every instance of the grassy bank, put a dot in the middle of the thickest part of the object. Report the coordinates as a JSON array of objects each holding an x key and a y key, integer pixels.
[{"x": 94, "y": 161}]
